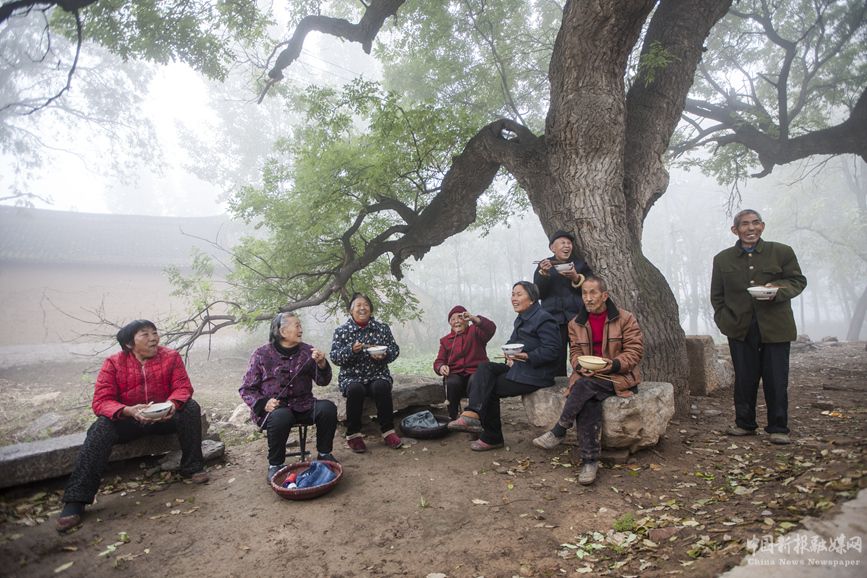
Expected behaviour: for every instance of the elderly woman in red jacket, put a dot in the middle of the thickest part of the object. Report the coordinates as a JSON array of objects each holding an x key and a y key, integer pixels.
[
  {"x": 129, "y": 382},
  {"x": 461, "y": 352}
]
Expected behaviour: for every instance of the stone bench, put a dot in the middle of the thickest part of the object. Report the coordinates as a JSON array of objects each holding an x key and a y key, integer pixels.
[
  {"x": 630, "y": 423},
  {"x": 51, "y": 458},
  {"x": 407, "y": 391}
]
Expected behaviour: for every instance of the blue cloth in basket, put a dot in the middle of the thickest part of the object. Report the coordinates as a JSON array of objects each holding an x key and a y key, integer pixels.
[{"x": 316, "y": 475}]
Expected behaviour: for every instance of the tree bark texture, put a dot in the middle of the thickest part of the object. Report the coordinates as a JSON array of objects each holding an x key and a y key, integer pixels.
[{"x": 604, "y": 152}]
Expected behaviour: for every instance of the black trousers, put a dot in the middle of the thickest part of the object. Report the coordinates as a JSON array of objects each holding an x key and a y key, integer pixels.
[
  {"x": 584, "y": 407},
  {"x": 456, "y": 389},
  {"x": 754, "y": 360},
  {"x": 281, "y": 420},
  {"x": 104, "y": 433},
  {"x": 489, "y": 387},
  {"x": 563, "y": 355},
  {"x": 380, "y": 391}
]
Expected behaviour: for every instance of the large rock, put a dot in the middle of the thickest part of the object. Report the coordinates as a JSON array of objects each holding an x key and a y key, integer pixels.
[
  {"x": 54, "y": 457},
  {"x": 639, "y": 421},
  {"x": 632, "y": 423},
  {"x": 408, "y": 391},
  {"x": 707, "y": 372},
  {"x": 544, "y": 406}
]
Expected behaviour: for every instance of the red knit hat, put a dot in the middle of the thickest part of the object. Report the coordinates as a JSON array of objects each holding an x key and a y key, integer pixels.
[{"x": 456, "y": 309}]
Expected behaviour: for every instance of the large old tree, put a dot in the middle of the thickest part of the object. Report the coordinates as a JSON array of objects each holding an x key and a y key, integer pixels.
[
  {"x": 595, "y": 164},
  {"x": 599, "y": 165}
]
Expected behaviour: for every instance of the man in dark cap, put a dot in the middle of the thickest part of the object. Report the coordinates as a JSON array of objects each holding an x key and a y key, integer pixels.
[{"x": 559, "y": 278}]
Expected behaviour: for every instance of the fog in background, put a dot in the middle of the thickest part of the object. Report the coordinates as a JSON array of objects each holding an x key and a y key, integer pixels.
[{"x": 211, "y": 138}]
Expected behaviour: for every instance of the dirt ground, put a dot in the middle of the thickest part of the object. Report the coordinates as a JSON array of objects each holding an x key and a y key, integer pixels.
[{"x": 687, "y": 507}]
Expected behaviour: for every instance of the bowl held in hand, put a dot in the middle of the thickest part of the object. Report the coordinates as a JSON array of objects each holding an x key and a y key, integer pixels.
[{"x": 591, "y": 362}]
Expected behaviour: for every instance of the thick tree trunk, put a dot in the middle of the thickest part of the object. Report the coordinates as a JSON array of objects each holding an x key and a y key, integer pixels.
[
  {"x": 601, "y": 180},
  {"x": 634, "y": 283}
]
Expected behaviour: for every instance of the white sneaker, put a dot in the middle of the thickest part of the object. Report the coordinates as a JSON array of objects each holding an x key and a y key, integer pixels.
[
  {"x": 588, "y": 473},
  {"x": 547, "y": 441}
]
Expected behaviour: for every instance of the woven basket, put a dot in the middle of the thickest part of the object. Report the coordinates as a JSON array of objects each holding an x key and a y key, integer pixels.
[
  {"x": 304, "y": 493},
  {"x": 427, "y": 434}
]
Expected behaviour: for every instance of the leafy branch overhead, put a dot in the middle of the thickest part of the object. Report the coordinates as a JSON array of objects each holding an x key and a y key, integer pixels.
[
  {"x": 780, "y": 82},
  {"x": 341, "y": 208}
]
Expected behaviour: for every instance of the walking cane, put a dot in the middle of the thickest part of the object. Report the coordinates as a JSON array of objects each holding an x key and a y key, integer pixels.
[{"x": 284, "y": 390}]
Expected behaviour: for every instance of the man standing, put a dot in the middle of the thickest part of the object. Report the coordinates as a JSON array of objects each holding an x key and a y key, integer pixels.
[
  {"x": 559, "y": 279},
  {"x": 760, "y": 329},
  {"x": 602, "y": 329}
]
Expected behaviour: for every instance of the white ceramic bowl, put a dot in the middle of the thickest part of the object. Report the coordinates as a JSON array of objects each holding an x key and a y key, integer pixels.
[
  {"x": 563, "y": 267},
  {"x": 513, "y": 348},
  {"x": 157, "y": 410},
  {"x": 591, "y": 362},
  {"x": 377, "y": 350},
  {"x": 762, "y": 293}
]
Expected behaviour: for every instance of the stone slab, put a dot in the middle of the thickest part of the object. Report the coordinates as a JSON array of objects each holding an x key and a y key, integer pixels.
[
  {"x": 51, "y": 458},
  {"x": 407, "y": 391},
  {"x": 707, "y": 371},
  {"x": 632, "y": 423}
]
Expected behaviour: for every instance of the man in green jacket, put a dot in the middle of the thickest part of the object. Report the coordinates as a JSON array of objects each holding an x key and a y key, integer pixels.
[{"x": 760, "y": 329}]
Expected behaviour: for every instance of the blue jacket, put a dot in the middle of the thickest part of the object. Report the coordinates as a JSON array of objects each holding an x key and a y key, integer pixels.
[
  {"x": 361, "y": 367},
  {"x": 540, "y": 334}
]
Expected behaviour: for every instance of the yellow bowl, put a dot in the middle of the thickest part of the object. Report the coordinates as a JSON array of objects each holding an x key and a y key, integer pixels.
[{"x": 591, "y": 362}]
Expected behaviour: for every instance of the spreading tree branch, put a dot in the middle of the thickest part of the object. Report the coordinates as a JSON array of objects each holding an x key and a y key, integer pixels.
[
  {"x": 364, "y": 32},
  {"x": 653, "y": 108},
  {"x": 502, "y": 143}
]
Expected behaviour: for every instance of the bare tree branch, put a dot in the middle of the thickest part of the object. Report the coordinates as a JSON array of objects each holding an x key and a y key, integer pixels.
[{"x": 364, "y": 32}]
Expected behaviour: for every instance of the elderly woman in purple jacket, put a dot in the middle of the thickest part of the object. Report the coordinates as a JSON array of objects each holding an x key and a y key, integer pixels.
[{"x": 278, "y": 387}]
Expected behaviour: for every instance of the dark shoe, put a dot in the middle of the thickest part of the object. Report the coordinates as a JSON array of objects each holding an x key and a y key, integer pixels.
[
  {"x": 356, "y": 443},
  {"x": 780, "y": 439},
  {"x": 70, "y": 516},
  {"x": 272, "y": 471},
  {"x": 547, "y": 441},
  {"x": 67, "y": 523},
  {"x": 466, "y": 423},
  {"x": 200, "y": 477},
  {"x": 392, "y": 440},
  {"x": 739, "y": 431},
  {"x": 481, "y": 446},
  {"x": 587, "y": 475},
  {"x": 329, "y": 457}
]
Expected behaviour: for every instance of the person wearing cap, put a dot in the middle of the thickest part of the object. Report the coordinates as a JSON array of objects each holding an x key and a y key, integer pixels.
[
  {"x": 461, "y": 352},
  {"x": 561, "y": 290},
  {"x": 760, "y": 332},
  {"x": 524, "y": 372},
  {"x": 141, "y": 374}
]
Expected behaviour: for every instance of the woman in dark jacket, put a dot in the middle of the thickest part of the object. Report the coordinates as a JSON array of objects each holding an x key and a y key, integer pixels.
[
  {"x": 363, "y": 347},
  {"x": 278, "y": 387},
  {"x": 525, "y": 372},
  {"x": 461, "y": 352}
]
